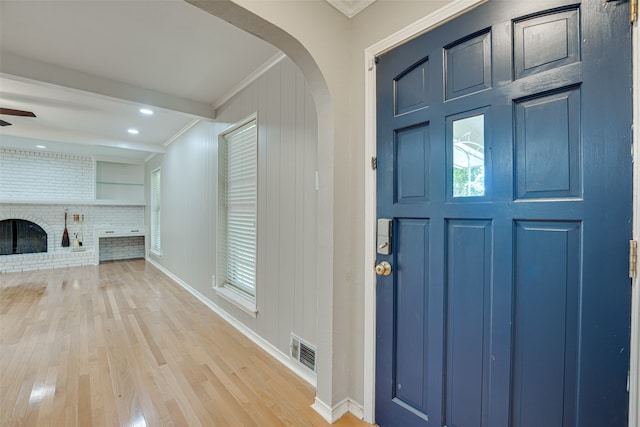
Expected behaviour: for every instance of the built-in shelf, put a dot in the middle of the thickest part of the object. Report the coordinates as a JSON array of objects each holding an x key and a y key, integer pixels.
[
  {"x": 119, "y": 181},
  {"x": 106, "y": 232}
]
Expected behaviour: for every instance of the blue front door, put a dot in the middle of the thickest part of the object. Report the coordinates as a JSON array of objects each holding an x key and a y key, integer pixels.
[{"x": 504, "y": 167}]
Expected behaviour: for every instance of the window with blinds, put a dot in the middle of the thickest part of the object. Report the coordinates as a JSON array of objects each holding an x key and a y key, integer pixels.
[
  {"x": 155, "y": 211},
  {"x": 238, "y": 163}
]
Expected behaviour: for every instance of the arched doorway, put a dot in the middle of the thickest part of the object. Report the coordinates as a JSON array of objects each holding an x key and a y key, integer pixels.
[{"x": 333, "y": 227}]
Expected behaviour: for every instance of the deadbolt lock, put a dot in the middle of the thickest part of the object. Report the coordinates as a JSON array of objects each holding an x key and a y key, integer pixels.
[
  {"x": 383, "y": 269},
  {"x": 384, "y": 236}
]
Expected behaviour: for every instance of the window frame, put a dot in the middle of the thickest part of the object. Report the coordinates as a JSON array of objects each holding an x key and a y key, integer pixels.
[
  {"x": 238, "y": 289},
  {"x": 155, "y": 212}
]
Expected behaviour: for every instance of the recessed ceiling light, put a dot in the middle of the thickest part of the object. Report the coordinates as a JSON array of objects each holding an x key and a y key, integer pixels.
[
  {"x": 146, "y": 111},
  {"x": 41, "y": 146},
  {"x": 133, "y": 131}
]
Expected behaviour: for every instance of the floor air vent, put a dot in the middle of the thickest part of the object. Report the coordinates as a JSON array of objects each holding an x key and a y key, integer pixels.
[{"x": 304, "y": 353}]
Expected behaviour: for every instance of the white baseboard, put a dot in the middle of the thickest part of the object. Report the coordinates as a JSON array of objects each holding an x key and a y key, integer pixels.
[
  {"x": 331, "y": 415},
  {"x": 356, "y": 409},
  {"x": 257, "y": 339},
  {"x": 324, "y": 410}
]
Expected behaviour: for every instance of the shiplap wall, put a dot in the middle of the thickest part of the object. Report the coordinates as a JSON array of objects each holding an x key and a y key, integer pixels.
[{"x": 287, "y": 204}]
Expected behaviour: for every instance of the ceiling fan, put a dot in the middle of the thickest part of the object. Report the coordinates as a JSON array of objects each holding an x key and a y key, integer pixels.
[{"x": 10, "y": 112}]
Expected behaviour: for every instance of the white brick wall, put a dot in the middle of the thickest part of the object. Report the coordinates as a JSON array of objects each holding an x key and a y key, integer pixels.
[
  {"x": 31, "y": 175},
  {"x": 112, "y": 248},
  {"x": 45, "y": 261},
  {"x": 52, "y": 184},
  {"x": 51, "y": 218}
]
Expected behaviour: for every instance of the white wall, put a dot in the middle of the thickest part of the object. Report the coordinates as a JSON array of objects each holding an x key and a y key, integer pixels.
[
  {"x": 187, "y": 206},
  {"x": 287, "y": 202},
  {"x": 287, "y": 205}
]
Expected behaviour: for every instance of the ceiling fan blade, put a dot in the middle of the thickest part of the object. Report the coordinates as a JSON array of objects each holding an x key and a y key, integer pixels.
[
  {"x": 11, "y": 112},
  {"x": 3, "y": 123}
]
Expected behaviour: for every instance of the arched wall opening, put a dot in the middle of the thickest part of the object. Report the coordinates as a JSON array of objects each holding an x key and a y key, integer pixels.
[{"x": 333, "y": 260}]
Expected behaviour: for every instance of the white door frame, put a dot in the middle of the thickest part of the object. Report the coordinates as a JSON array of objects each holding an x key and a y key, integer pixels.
[
  {"x": 439, "y": 17},
  {"x": 634, "y": 369}
]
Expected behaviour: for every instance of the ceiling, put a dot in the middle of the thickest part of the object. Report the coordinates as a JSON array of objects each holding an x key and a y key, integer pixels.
[{"x": 86, "y": 67}]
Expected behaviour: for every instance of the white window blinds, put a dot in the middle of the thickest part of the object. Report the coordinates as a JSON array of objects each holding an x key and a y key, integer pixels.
[
  {"x": 155, "y": 211},
  {"x": 238, "y": 220}
]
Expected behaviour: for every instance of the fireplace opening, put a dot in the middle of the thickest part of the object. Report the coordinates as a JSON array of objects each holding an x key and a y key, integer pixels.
[{"x": 19, "y": 236}]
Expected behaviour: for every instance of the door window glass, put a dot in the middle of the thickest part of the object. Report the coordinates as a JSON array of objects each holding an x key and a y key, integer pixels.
[{"x": 468, "y": 156}]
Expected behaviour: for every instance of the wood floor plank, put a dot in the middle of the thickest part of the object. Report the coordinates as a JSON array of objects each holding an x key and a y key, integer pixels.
[
  {"x": 84, "y": 401},
  {"x": 121, "y": 344}
]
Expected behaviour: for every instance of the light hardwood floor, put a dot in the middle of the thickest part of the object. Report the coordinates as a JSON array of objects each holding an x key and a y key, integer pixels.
[{"x": 121, "y": 344}]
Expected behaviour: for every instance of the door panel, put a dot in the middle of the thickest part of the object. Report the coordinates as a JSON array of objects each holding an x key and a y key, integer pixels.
[
  {"x": 546, "y": 40},
  {"x": 411, "y": 88},
  {"x": 468, "y": 65},
  {"x": 412, "y": 150},
  {"x": 547, "y": 145},
  {"x": 411, "y": 318},
  {"x": 504, "y": 164},
  {"x": 468, "y": 281},
  {"x": 547, "y": 282}
]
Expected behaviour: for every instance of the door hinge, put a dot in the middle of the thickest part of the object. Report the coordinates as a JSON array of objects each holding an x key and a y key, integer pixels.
[
  {"x": 374, "y": 163},
  {"x": 633, "y": 258},
  {"x": 633, "y": 10}
]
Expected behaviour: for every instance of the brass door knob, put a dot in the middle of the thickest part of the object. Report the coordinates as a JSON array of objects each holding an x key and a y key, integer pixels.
[{"x": 383, "y": 269}]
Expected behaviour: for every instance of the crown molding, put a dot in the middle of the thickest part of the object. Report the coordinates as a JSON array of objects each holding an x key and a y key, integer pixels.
[{"x": 350, "y": 7}]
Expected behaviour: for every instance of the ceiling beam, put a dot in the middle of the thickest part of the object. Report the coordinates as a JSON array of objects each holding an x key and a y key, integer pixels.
[
  {"x": 20, "y": 68},
  {"x": 109, "y": 153}
]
